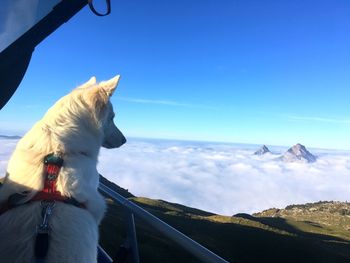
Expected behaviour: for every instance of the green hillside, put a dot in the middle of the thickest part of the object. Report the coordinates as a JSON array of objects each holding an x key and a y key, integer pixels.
[{"x": 242, "y": 238}]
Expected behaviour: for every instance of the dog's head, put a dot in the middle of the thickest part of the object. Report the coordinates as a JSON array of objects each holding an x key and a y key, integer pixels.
[
  {"x": 83, "y": 119},
  {"x": 98, "y": 97}
]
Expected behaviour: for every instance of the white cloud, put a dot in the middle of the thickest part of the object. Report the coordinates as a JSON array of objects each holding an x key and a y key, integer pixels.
[
  {"x": 6, "y": 149},
  {"x": 221, "y": 178},
  {"x": 164, "y": 102}
]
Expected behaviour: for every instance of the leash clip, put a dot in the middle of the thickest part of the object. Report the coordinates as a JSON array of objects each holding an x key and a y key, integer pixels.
[{"x": 46, "y": 212}]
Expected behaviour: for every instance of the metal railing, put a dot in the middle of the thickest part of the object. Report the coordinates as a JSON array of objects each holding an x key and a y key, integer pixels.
[{"x": 132, "y": 209}]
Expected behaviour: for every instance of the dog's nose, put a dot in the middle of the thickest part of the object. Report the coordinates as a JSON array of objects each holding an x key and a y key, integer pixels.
[{"x": 123, "y": 140}]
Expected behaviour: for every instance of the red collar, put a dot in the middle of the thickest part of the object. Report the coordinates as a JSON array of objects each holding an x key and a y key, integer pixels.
[{"x": 52, "y": 166}]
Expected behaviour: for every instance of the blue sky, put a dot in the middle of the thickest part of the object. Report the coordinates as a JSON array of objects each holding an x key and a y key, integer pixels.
[{"x": 272, "y": 72}]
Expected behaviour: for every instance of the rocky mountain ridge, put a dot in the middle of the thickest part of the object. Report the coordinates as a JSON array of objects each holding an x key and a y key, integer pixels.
[
  {"x": 331, "y": 207},
  {"x": 262, "y": 150},
  {"x": 296, "y": 153},
  {"x": 322, "y": 214},
  {"x": 10, "y": 137}
]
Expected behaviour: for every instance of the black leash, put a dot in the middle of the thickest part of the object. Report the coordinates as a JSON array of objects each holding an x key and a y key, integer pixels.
[
  {"x": 108, "y": 11},
  {"x": 43, "y": 231}
]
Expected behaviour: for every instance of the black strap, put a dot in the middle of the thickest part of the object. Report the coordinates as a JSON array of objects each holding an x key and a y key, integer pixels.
[
  {"x": 108, "y": 3},
  {"x": 73, "y": 201},
  {"x": 41, "y": 245}
]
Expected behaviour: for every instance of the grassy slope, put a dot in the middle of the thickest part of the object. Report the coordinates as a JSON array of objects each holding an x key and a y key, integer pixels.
[{"x": 242, "y": 238}]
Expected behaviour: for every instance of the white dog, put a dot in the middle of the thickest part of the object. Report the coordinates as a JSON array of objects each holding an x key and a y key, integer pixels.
[{"x": 74, "y": 129}]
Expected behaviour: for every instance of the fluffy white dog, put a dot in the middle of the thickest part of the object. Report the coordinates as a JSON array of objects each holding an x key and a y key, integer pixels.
[{"x": 74, "y": 128}]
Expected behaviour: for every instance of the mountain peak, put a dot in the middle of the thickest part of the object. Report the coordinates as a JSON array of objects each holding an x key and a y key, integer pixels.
[
  {"x": 10, "y": 137},
  {"x": 262, "y": 150},
  {"x": 298, "y": 153}
]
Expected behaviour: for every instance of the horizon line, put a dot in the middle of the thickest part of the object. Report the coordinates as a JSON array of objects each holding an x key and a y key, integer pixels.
[{"x": 206, "y": 141}]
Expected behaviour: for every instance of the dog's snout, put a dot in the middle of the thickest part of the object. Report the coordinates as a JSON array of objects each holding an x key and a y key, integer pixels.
[
  {"x": 122, "y": 140},
  {"x": 114, "y": 138}
]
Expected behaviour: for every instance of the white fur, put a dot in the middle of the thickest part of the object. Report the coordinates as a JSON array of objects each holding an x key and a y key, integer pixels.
[{"x": 76, "y": 127}]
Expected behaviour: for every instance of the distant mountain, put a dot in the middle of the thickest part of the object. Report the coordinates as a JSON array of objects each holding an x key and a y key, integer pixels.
[
  {"x": 298, "y": 153},
  {"x": 262, "y": 150},
  {"x": 11, "y": 137}
]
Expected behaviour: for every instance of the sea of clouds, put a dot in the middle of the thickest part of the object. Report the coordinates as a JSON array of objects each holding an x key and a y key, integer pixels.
[{"x": 221, "y": 178}]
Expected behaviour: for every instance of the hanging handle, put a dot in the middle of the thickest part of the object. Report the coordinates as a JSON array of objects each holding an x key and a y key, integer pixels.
[{"x": 108, "y": 11}]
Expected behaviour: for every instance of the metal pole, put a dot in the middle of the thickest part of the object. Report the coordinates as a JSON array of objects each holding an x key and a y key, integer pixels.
[
  {"x": 102, "y": 256},
  {"x": 131, "y": 240},
  {"x": 187, "y": 243}
]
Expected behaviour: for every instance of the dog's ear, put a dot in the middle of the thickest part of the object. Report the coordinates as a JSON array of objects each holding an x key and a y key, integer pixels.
[
  {"x": 98, "y": 95},
  {"x": 109, "y": 86},
  {"x": 95, "y": 97},
  {"x": 89, "y": 83}
]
